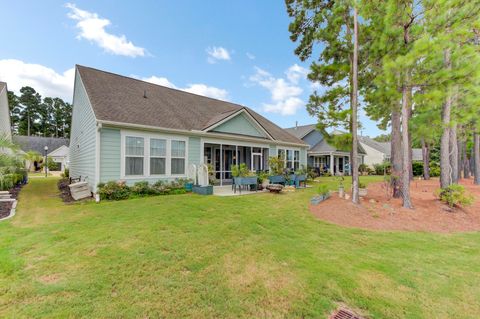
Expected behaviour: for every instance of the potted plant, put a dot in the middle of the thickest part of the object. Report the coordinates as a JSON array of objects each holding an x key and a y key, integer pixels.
[
  {"x": 242, "y": 176},
  {"x": 188, "y": 184},
  {"x": 323, "y": 194},
  {"x": 362, "y": 189},
  {"x": 301, "y": 176},
  {"x": 276, "y": 170},
  {"x": 263, "y": 179}
]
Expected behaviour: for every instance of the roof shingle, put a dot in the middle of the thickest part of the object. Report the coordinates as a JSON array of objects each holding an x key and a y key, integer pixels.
[{"x": 117, "y": 98}]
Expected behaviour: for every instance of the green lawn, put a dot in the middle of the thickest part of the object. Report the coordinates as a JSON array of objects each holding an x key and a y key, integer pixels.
[{"x": 254, "y": 256}]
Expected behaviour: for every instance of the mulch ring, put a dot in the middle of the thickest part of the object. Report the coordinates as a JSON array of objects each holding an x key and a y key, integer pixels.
[
  {"x": 378, "y": 211},
  {"x": 65, "y": 190}
]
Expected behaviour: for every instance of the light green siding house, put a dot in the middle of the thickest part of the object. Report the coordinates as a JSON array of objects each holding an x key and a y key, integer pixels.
[
  {"x": 127, "y": 129},
  {"x": 5, "y": 129}
]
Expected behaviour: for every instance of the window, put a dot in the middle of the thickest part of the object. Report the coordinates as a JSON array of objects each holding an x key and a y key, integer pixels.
[
  {"x": 178, "y": 157},
  {"x": 296, "y": 160},
  {"x": 281, "y": 154},
  {"x": 134, "y": 155},
  {"x": 158, "y": 156},
  {"x": 289, "y": 163}
]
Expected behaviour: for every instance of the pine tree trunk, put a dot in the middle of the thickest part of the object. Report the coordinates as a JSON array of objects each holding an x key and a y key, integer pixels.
[
  {"x": 466, "y": 162},
  {"x": 426, "y": 160},
  {"x": 445, "y": 168},
  {"x": 454, "y": 154},
  {"x": 354, "y": 160},
  {"x": 396, "y": 153},
  {"x": 459, "y": 155},
  {"x": 405, "y": 177},
  {"x": 476, "y": 159},
  {"x": 410, "y": 148}
]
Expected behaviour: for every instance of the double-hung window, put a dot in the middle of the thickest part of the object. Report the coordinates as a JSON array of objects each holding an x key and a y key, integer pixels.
[
  {"x": 296, "y": 160},
  {"x": 289, "y": 163},
  {"x": 158, "y": 156},
  {"x": 177, "y": 157},
  {"x": 134, "y": 156}
]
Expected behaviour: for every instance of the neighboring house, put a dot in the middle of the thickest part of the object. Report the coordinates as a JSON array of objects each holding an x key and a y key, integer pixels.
[
  {"x": 60, "y": 156},
  {"x": 5, "y": 127},
  {"x": 321, "y": 154},
  {"x": 127, "y": 129},
  {"x": 38, "y": 143},
  {"x": 379, "y": 152}
]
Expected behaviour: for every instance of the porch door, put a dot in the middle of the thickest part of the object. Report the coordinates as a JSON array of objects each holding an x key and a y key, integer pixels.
[
  {"x": 340, "y": 164},
  {"x": 227, "y": 163},
  {"x": 257, "y": 159}
]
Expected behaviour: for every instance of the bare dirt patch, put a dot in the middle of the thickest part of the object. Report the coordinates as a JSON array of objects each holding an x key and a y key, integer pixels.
[
  {"x": 379, "y": 212},
  {"x": 50, "y": 279}
]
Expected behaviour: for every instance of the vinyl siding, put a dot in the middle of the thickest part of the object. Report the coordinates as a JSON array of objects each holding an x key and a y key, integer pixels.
[
  {"x": 83, "y": 136},
  {"x": 5, "y": 129},
  {"x": 240, "y": 124},
  {"x": 110, "y": 154},
  {"x": 194, "y": 151},
  {"x": 313, "y": 138}
]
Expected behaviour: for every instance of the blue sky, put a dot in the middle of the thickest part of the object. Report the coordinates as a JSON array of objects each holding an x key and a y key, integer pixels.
[{"x": 234, "y": 50}]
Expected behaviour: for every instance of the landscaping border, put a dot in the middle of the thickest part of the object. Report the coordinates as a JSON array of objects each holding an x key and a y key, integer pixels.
[{"x": 12, "y": 210}]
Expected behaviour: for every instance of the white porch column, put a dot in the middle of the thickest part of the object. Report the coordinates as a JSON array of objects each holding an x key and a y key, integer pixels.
[
  {"x": 251, "y": 158},
  {"x": 221, "y": 164},
  {"x": 332, "y": 163},
  {"x": 236, "y": 154}
]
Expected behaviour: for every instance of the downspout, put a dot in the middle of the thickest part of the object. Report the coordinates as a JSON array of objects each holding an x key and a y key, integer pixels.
[{"x": 97, "y": 161}]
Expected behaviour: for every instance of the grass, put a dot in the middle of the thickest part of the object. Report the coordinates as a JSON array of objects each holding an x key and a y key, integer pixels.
[{"x": 255, "y": 256}]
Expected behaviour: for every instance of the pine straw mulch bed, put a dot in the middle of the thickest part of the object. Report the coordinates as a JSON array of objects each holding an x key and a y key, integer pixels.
[
  {"x": 378, "y": 211},
  {"x": 5, "y": 207}
]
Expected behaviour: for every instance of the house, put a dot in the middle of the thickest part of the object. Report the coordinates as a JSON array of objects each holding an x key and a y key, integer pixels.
[
  {"x": 55, "y": 146},
  {"x": 5, "y": 127},
  {"x": 127, "y": 129},
  {"x": 321, "y": 154},
  {"x": 379, "y": 152}
]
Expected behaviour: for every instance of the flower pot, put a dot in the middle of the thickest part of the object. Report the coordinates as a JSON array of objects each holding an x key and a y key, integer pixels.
[{"x": 188, "y": 187}]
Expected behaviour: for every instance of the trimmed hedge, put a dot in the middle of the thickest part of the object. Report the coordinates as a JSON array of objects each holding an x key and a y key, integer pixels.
[{"x": 114, "y": 190}]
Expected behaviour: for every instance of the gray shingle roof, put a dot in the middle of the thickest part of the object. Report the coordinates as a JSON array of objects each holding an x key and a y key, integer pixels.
[
  {"x": 301, "y": 131},
  {"x": 117, "y": 98},
  {"x": 386, "y": 148},
  {"x": 37, "y": 143}
]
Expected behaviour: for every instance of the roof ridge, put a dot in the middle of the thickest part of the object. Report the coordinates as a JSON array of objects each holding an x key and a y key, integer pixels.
[{"x": 155, "y": 84}]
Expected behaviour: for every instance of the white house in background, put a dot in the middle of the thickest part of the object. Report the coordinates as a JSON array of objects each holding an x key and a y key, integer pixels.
[
  {"x": 5, "y": 128},
  {"x": 321, "y": 154},
  {"x": 379, "y": 152},
  {"x": 60, "y": 156}
]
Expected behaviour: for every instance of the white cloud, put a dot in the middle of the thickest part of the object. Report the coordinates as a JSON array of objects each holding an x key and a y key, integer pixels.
[
  {"x": 44, "y": 80},
  {"x": 285, "y": 93},
  {"x": 250, "y": 56},
  {"x": 199, "y": 88},
  {"x": 160, "y": 81},
  {"x": 295, "y": 73},
  {"x": 92, "y": 28},
  {"x": 217, "y": 53},
  {"x": 209, "y": 91}
]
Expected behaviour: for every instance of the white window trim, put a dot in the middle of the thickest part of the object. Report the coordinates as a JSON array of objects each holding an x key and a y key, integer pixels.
[
  {"x": 169, "y": 143},
  {"x": 285, "y": 149},
  {"x": 134, "y": 156},
  {"x": 156, "y": 156},
  {"x": 146, "y": 160}
]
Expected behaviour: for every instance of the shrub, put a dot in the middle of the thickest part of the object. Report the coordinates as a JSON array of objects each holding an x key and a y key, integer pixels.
[
  {"x": 240, "y": 170},
  {"x": 276, "y": 165},
  {"x": 362, "y": 185},
  {"x": 417, "y": 168},
  {"x": 434, "y": 169},
  {"x": 66, "y": 173},
  {"x": 114, "y": 191},
  {"x": 323, "y": 189},
  {"x": 455, "y": 195},
  {"x": 143, "y": 188},
  {"x": 363, "y": 169},
  {"x": 383, "y": 168}
]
